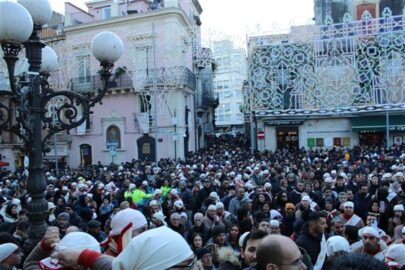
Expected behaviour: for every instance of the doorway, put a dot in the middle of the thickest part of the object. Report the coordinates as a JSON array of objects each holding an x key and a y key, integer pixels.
[
  {"x": 85, "y": 155},
  {"x": 371, "y": 138},
  {"x": 287, "y": 137},
  {"x": 146, "y": 148}
]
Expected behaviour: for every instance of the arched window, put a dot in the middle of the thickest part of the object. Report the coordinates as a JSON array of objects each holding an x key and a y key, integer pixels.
[{"x": 114, "y": 135}]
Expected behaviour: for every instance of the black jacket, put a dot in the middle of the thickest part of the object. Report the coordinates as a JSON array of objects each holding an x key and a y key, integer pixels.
[{"x": 311, "y": 244}]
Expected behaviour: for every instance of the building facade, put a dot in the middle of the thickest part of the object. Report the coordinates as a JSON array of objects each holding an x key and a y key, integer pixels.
[
  {"x": 333, "y": 85},
  {"x": 149, "y": 111},
  {"x": 336, "y": 9},
  {"x": 230, "y": 74}
]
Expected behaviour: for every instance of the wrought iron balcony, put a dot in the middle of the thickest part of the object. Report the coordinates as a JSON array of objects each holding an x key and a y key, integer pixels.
[{"x": 164, "y": 78}]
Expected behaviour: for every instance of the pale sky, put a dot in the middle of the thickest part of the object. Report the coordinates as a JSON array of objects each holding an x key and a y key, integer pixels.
[{"x": 235, "y": 19}]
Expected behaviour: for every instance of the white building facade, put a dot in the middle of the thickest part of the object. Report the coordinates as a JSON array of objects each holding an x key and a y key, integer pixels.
[{"x": 231, "y": 72}]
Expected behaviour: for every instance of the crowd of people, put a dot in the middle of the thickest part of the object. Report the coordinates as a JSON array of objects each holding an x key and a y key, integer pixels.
[{"x": 220, "y": 208}]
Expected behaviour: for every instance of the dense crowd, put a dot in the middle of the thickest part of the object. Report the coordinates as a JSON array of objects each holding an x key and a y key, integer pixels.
[{"x": 220, "y": 208}]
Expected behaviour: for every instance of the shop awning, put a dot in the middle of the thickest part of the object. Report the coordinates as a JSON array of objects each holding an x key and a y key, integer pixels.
[{"x": 378, "y": 123}]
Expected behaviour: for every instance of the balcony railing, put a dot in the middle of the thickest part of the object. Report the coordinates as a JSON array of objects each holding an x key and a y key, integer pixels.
[{"x": 164, "y": 78}]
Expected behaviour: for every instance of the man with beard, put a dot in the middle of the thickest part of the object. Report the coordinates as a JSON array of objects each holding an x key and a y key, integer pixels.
[
  {"x": 94, "y": 229},
  {"x": 338, "y": 226},
  {"x": 371, "y": 244},
  {"x": 249, "y": 247},
  {"x": 350, "y": 217},
  {"x": 289, "y": 219},
  {"x": 362, "y": 201},
  {"x": 311, "y": 237},
  {"x": 63, "y": 223}
]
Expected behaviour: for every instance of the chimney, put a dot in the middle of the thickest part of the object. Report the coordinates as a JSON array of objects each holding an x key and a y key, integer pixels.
[{"x": 115, "y": 8}]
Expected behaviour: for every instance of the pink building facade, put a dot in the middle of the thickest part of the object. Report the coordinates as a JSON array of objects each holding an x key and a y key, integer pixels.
[{"x": 149, "y": 111}]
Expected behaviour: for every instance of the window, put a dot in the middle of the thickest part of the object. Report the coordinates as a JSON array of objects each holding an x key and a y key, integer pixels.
[
  {"x": 114, "y": 135},
  {"x": 84, "y": 68},
  {"x": 106, "y": 13},
  {"x": 227, "y": 107}
]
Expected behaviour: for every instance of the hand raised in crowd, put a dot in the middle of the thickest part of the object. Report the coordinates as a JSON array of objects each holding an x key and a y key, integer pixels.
[
  {"x": 51, "y": 237},
  {"x": 67, "y": 257}
]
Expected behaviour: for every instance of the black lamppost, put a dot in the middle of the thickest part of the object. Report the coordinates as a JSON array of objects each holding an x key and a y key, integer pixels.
[{"x": 23, "y": 109}]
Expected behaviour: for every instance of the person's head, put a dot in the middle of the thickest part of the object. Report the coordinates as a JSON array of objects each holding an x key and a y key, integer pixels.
[
  {"x": 212, "y": 211},
  {"x": 343, "y": 197},
  {"x": 395, "y": 256},
  {"x": 352, "y": 261},
  {"x": 348, "y": 208},
  {"x": 371, "y": 218},
  {"x": 205, "y": 256},
  {"x": 279, "y": 252},
  {"x": 338, "y": 226},
  {"x": 198, "y": 219},
  {"x": 317, "y": 223},
  {"x": 249, "y": 247},
  {"x": 336, "y": 246},
  {"x": 128, "y": 217},
  {"x": 363, "y": 189},
  {"x": 162, "y": 242},
  {"x": 264, "y": 225},
  {"x": 241, "y": 193},
  {"x": 196, "y": 241},
  {"x": 289, "y": 210},
  {"x": 370, "y": 239},
  {"x": 328, "y": 204},
  {"x": 10, "y": 255},
  {"x": 63, "y": 220},
  {"x": 175, "y": 219},
  {"x": 399, "y": 210},
  {"x": 218, "y": 235},
  {"x": 234, "y": 231},
  {"x": 94, "y": 227},
  {"x": 275, "y": 227}
]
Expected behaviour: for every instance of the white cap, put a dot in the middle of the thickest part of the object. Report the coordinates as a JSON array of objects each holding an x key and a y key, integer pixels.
[
  {"x": 132, "y": 186},
  {"x": 396, "y": 252},
  {"x": 267, "y": 185},
  {"x": 387, "y": 175},
  {"x": 179, "y": 204},
  {"x": 212, "y": 207},
  {"x": 328, "y": 180},
  {"x": 348, "y": 204},
  {"x": 153, "y": 202},
  {"x": 370, "y": 231},
  {"x": 174, "y": 192},
  {"x": 399, "y": 207},
  {"x": 306, "y": 198},
  {"x": 100, "y": 186},
  {"x": 144, "y": 183},
  {"x": 219, "y": 205},
  {"x": 333, "y": 172},
  {"x": 6, "y": 250},
  {"x": 274, "y": 223},
  {"x": 157, "y": 191},
  {"x": 343, "y": 174}
]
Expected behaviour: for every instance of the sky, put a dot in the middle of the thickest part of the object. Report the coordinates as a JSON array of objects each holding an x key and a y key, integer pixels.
[{"x": 235, "y": 19}]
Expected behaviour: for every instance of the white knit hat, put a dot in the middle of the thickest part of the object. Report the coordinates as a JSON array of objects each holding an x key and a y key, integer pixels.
[{"x": 6, "y": 250}]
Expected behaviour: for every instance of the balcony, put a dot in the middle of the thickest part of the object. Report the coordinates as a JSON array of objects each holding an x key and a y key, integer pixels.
[{"x": 164, "y": 78}]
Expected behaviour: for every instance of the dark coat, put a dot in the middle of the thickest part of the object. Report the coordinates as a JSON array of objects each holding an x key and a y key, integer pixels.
[{"x": 311, "y": 244}]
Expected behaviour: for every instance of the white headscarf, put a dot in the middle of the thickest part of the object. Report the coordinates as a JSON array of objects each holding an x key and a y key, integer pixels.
[
  {"x": 335, "y": 244},
  {"x": 6, "y": 250},
  {"x": 159, "y": 248},
  {"x": 73, "y": 240},
  {"x": 122, "y": 226}
]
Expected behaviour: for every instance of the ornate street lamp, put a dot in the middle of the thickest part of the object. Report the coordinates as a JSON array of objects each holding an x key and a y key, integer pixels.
[{"x": 25, "y": 111}]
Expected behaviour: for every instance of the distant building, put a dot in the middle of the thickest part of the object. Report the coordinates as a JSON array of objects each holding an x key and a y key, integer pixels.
[
  {"x": 334, "y": 85},
  {"x": 336, "y": 9},
  {"x": 230, "y": 74}
]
